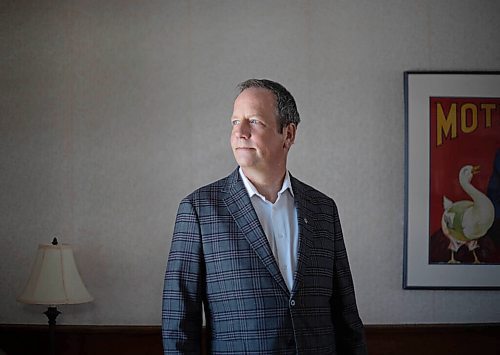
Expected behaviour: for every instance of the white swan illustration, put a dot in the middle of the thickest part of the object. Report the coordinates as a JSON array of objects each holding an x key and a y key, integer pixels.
[{"x": 464, "y": 222}]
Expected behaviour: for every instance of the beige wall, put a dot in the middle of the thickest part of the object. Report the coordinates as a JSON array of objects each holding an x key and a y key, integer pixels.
[{"x": 112, "y": 111}]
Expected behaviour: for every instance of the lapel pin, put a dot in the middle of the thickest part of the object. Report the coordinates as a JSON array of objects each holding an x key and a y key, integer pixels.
[{"x": 305, "y": 220}]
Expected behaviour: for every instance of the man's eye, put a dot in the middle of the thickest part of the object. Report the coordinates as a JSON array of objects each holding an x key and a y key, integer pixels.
[
  {"x": 235, "y": 122},
  {"x": 254, "y": 122}
]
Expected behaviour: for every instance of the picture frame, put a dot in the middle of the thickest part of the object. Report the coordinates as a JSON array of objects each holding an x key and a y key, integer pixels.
[{"x": 452, "y": 232}]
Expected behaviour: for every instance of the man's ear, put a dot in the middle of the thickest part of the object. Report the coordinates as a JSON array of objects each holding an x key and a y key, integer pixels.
[{"x": 289, "y": 133}]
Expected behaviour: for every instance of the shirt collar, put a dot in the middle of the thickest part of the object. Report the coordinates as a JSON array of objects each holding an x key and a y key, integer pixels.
[{"x": 252, "y": 191}]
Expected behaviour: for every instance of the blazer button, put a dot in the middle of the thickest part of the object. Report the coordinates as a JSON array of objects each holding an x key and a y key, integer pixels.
[{"x": 292, "y": 303}]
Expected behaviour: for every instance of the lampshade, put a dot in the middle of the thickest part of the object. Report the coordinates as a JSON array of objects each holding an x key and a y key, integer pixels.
[{"x": 54, "y": 278}]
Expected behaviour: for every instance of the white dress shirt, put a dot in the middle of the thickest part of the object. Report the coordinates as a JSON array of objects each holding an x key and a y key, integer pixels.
[{"x": 279, "y": 222}]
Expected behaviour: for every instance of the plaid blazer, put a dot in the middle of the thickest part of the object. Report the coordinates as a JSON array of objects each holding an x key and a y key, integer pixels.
[{"x": 221, "y": 259}]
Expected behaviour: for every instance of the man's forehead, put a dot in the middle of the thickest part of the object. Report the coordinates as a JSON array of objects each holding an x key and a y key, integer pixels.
[
  {"x": 256, "y": 97},
  {"x": 257, "y": 90},
  {"x": 256, "y": 102}
]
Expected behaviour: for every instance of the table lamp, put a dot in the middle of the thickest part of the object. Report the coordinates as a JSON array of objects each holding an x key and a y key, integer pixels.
[{"x": 54, "y": 280}]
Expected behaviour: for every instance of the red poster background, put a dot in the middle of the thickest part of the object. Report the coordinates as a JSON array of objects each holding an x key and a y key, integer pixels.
[{"x": 475, "y": 148}]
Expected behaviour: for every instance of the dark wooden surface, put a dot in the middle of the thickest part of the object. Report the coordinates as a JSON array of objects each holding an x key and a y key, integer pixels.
[{"x": 443, "y": 339}]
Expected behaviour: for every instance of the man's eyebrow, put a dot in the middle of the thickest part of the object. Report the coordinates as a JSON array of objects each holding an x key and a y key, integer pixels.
[{"x": 253, "y": 115}]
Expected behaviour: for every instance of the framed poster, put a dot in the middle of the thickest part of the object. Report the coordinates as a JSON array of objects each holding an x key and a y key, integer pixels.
[{"x": 452, "y": 172}]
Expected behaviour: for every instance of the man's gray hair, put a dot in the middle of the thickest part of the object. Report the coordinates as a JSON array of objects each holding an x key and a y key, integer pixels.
[{"x": 286, "y": 109}]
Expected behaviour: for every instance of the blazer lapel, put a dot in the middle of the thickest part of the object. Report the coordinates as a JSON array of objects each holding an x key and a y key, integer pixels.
[
  {"x": 239, "y": 205},
  {"x": 305, "y": 216}
]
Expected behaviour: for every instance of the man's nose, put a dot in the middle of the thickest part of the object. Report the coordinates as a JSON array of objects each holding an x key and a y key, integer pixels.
[{"x": 243, "y": 130}]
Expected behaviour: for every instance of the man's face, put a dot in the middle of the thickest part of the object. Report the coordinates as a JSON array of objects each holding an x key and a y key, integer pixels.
[{"x": 255, "y": 140}]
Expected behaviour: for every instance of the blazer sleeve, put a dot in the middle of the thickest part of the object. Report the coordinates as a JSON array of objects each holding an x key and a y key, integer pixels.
[
  {"x": 184, "y": 285},
  {"x": 349, "y": 335}
]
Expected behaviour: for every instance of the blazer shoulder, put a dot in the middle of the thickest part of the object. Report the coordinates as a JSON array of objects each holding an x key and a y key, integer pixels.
[
  {"x": 310, "y": 193},
  {"x": 212, "y": 190}
]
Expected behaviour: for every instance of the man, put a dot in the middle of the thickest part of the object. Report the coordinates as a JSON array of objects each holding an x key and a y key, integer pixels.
[{"x": 260, "y": 250}]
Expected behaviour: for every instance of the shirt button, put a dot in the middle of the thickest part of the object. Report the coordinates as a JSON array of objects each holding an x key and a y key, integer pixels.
[{"x": 292, "y": 303}]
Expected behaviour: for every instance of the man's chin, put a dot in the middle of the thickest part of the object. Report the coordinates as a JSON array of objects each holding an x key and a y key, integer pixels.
[
  {"x": 244, "y": 162},
  {"x": 245, "y": 157}
]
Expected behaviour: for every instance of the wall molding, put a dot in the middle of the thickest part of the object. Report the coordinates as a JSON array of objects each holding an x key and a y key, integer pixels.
[{"x": 429, "y": 339}]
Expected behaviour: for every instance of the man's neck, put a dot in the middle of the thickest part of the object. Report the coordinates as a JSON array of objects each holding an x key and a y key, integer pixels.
[{"x": 268, "y": 185}]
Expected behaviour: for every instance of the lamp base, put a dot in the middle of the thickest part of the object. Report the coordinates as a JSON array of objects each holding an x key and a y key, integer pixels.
[{"x": 52, "y": 314}]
